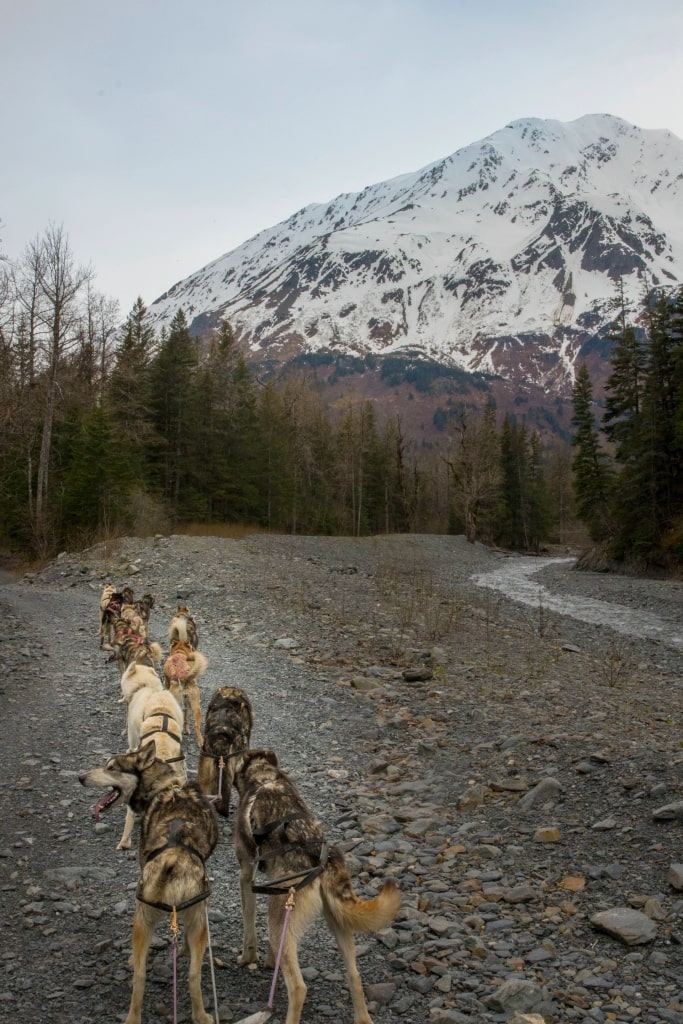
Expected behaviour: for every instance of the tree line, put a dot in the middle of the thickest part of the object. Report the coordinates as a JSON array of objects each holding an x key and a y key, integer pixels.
[
  {"x": 628, "y": 468},
  {"x": 110, "y": 428}
]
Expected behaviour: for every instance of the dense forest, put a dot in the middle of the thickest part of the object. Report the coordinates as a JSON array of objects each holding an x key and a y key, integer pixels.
[
  {"x": 628, "y": 469},
  {"x": 109, "y": 428}
]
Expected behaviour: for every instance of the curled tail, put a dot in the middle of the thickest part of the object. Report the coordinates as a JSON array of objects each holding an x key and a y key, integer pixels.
[
  {"x": 348, "y": 909},
  {"x": 178, "y": 629},
  {"x": 200, "y": 663}
]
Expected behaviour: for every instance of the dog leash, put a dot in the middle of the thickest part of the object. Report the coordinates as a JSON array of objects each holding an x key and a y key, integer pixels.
[
  {"x": 174, "y": 942},
  {"x": 213, "y": 972},
  {"x": 221, "y": 766},
  {"x": 289, "y": 907},
  {"x": 261, "y": 1016}
]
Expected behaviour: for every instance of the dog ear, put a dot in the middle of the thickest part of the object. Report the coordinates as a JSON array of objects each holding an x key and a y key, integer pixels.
[
  {"x": 268, "y": 755},
  {"x": 259, "y": 755},
  {"x": 146, "y": 755}
]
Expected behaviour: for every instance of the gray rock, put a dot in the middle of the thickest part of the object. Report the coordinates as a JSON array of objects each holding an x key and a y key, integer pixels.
[
  {"x": 675, "y": 876},
  {"x": 631, "y": 927},
  {"x": 546, "y": 790}
]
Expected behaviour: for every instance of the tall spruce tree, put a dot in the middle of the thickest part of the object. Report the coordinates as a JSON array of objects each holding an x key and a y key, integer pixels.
[
  {"x": 172, "y": 375},
  {"x": 590, "y": 465},
  {"x": 128, "y": 390}
]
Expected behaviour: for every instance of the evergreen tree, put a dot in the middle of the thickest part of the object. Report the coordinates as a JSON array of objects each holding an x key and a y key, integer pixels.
[
  {"x": 539, "y": 517},
  {"x": 592, "y": 473},
  {"x": 625, "y": 384},
  {"x": 172, "y": 375},
  {"x": 97, "y": 477},
  {"x": 659, "y": 460},
  {"x": 128, "y": 390},
  {"x": 512, "y": 527}
]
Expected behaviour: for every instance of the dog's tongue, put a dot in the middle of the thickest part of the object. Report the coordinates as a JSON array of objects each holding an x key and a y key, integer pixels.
[{"x": 107, "y": 798}]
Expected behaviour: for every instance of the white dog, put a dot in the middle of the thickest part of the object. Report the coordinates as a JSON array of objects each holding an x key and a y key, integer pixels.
[{"x": 153, "y": 714}]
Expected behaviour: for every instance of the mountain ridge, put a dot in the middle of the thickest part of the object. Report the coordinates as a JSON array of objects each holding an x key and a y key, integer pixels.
[{"x": 501, "y": 259}]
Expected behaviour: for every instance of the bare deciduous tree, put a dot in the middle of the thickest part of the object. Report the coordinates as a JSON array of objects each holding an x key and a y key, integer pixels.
[{"x": 49, "y": 291}]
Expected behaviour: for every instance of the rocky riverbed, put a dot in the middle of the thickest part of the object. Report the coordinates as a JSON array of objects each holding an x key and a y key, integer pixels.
[{"x": 516, "y": 770}]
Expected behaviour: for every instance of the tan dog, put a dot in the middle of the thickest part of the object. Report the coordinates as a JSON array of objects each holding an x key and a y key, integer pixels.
[
  {"x": 110, "y": 610},
  {"x": 132, "y": 614},
  {"x": 178, "y": 832},
  {"x": 276, "y": 833},
  {"x": 154, "y": 715},
  {"x": 183, "y": 628},
  {"x": 227, "y": 730},
  {"x": 181, "y": 671},
  {"x": 129, "y": 646}
]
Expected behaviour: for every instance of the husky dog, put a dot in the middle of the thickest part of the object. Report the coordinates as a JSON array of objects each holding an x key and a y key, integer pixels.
[
  {"x": 227, "y": 729},
  {"x": 181, "y": 670},
  {"x": 132, "y": 614},
  {"x": 144, "y": 608},
  {"x": 183, "y": 627},
  {"x": 129, "y": 646},
  {"x": 111, "y": 602},
  {"x": 276, "y": 834},
  {"x": 178, "y": 832},
  {"x": 154, "y": 716}
]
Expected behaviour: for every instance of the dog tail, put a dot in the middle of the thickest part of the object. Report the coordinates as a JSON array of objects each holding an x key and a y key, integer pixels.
[
  {"x": 348, "y": 909},
  {"x": 200, "y": 662},
  {"x": 178, "y": 629}
]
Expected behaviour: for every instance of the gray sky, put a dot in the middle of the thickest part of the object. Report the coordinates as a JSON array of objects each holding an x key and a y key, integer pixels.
[{"x": 162, "y": 133}]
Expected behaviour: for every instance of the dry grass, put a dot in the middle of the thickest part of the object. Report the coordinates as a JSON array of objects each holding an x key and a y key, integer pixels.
[{"x": 233, "y": 531}]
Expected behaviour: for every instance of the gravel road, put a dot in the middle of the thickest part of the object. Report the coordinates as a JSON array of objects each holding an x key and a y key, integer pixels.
[{"x": 517, "y": 771}]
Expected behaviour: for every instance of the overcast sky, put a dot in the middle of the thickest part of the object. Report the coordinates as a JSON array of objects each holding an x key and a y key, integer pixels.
[{"x": 162, "y": 133}]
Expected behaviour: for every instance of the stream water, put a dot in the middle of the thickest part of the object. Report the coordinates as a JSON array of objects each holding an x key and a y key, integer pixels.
[{"x": 515, "y": 578}]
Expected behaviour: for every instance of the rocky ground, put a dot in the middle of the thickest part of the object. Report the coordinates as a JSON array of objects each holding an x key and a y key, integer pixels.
[{"x": 517, "y": 772}]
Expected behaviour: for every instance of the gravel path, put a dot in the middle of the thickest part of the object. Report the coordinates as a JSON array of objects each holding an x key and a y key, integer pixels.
[{"x": 517, "y": 771}]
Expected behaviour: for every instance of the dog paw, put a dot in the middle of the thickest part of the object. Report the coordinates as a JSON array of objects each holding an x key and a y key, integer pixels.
[
  {"x": 124, "y": 845},
  {"x": 249, "y": 960},
  {"x": 202, "y": 1018}
]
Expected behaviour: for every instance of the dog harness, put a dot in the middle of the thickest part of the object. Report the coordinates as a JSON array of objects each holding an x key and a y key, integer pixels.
[
  {"x": 179, "y": 666},
  {"x": 175, "y": 908},
  {"x": 164, "y": 728},
  {"x": 281, "y": 886}
]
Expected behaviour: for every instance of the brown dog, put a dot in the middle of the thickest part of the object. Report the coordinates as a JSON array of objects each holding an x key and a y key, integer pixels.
[
  {"x": 181, "y": 671},
  {"x": 183, "y": 627},
  {"x": 129, "y": 646},
  {"x": 111, "y": 602},
  {"x": 277, "y": 834},
  {"x": 227, "y": 728},
  {"x": 178, "y": 832}
]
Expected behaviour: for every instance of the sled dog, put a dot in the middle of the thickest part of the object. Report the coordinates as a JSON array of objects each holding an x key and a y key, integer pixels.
[
  {"x": 227, "y": 728},
  {"x": 276, "y": 834},
  {"x": 153, "y": 715},
  {"x": 178, "y": 832},
  {"x": 183, "y": 627},
  {"x": 182, "y": 668}
]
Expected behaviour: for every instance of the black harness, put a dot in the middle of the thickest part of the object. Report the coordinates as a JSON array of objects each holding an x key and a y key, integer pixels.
[
  {"x": 164, "y": 728},
  {"x": 281, "y": 886},
  {"x": 232, "y": 736},
  {"x": 167, "y": 907}
]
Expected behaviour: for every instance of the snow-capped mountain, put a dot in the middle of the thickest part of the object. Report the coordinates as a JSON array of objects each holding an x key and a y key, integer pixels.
[{"x": 502, "y": 258}]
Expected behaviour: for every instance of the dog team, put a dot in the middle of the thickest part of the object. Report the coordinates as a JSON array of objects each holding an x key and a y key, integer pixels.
[{"x": 280, "y": 846}]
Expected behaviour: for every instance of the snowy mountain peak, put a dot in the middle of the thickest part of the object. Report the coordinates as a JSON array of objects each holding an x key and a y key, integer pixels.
[{"x": 501, "y": 258}]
